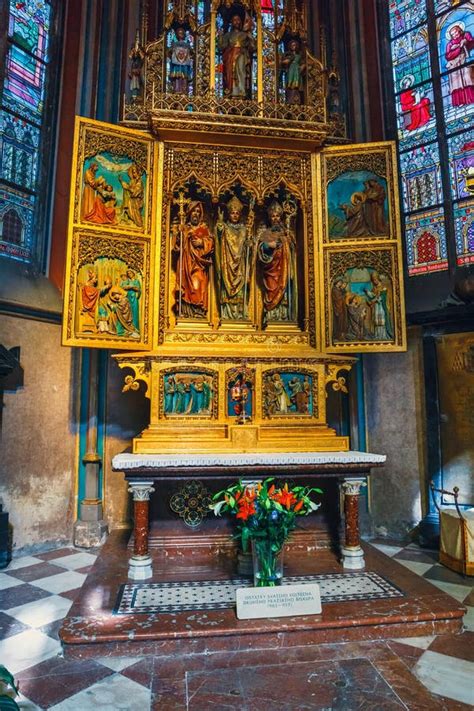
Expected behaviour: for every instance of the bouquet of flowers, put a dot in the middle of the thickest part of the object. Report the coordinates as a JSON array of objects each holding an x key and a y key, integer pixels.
[{"x": 266, "y": 514}]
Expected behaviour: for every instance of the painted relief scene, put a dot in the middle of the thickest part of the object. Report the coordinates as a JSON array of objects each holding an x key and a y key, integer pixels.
[
  {"x": 357, "y": 205},
  {"x": 240, "y": 394},
  {"x": 109, "y": 299},
  {"x": 188, "y": 393},
  {"x": 113, "y": 191},
  {"x": 362, "y": 306},
  {"x": 287, "y": 393}
]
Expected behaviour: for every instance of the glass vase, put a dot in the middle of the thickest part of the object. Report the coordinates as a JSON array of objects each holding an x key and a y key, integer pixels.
[{"x": 267, "y": 564}]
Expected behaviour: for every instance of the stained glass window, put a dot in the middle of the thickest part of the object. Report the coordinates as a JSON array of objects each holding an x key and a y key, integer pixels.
[
  {"x": 434, "y": 119},
  {"x": 22, "y": 113}
]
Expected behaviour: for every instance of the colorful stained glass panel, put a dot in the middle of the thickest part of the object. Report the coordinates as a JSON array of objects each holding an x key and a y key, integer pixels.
[
  {"x": 421, "y": 177},
  {"x": 29, "y": 23},
  {"x": 23, "y": 90},
  {"x": 19, "y": 143},
  {"x": 426, "y": 242},
  {"x": 415, "y": 115},
  {"x": 411, "y": 59},
  {"x": 456, "y": 39},
  {"x": 406, "y": 14},
  {"x": 16, "y": 223},
  {"x": 464, "y": 229},
  {"x": 461, "y": 164},
  {"x": 458, "y": 104}
]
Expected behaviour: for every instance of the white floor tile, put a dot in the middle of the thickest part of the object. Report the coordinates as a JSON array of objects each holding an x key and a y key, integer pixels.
[
  {"x": 446, "y": 676},
  {"x": 456, "y": 591},
  {"x": 117, "y": 663},
  {"x": 41, "y": 612},
  {"x": 69, "y": 580},
  {"x": 420, "y": 642},
  {"x": 468, "y": 619},
  {"x": 388, "y": 550},
  {"x": 415, "y": 567},
  {"x": 75, "y": 560},
  {"x": 115, "y": 693},
  {"x": 26, "y": 649},
  {"x": 7, "y": 581},
  {"x": 27, "y": 705},
  {"x": 22, "y": 562}
]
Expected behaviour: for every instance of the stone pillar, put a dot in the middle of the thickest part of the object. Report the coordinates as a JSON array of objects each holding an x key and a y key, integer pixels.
[
  {"x": 90, "y": 530},
  {"x": 352, "y": 553},
  {"x": 140, "y": 564}
]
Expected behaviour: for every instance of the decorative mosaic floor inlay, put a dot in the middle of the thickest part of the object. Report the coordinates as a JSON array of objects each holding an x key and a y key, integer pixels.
[{"x": 220, "y": 594}]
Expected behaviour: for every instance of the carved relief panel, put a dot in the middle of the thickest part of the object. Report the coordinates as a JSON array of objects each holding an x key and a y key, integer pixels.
[
  {"x": 360, "y": 249},
  {"x": 109, "y": 283}
]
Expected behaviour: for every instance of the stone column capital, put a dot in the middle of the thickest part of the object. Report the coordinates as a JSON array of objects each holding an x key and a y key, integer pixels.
[
  {"x": 352, "y": 487},
  {"x": 141, "y": 490}
]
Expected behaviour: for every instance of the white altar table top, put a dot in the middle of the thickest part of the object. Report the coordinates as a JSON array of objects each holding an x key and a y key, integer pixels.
[{"x": 125, "y": 462}]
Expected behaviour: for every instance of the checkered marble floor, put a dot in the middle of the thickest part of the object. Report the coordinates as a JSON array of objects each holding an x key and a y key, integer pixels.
[{"x": 37, "y": 591}]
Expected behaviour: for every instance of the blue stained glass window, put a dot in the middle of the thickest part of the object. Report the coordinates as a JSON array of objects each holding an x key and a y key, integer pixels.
[
  {"x": 461, "y": 164},
  {"x": 456, "y": 38},
  {"x": 23, "y": 89},
  {"x": 406, "y": 14},
  {"x": 464, "y": 226},
  {"x": 17, "y": 215},
  {"x": 21, "y": 117},
  {"x": 457, "y": 115},
  {"x": 415, "y": 114},
  {"x": 19, "y": 143},
  {"x": 29, "y": 24},
  {"x": 426, "y": 242},
  {"x": 411, "y": 58},
  {"x": 421, "y": 177},
  {"x": 436, "y": 149}
]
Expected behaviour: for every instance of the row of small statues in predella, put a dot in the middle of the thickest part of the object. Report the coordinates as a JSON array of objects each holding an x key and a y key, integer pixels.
[
  {"x": 239, "y": 255},
  {"x": 236, "y": 56}
]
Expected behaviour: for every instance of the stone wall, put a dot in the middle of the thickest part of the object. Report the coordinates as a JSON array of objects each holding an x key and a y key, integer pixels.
[
  {"x": 38, "y": 436},
  {"x": 396, "y": 427}
]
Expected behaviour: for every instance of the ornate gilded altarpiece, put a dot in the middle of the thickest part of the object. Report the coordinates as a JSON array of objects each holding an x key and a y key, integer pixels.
[{"x": 218, "y": 231}]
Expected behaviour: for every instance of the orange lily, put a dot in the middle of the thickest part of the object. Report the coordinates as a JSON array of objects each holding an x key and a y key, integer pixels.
[
  {"x": 299, "y": 505},
  {"x": 246, "y": 509}
]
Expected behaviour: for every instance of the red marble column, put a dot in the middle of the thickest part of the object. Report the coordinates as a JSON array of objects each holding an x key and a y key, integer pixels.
[
  {"x": 352, "y": 553},
  {"x": 141, "y": 526},
  {"x": 351, "y": 514},
  {"x": 140, "y": 564}
]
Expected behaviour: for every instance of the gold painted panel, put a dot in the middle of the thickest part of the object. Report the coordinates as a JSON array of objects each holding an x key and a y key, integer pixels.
[
  {"x": 108, "y": 296},
  {"x": 361, "y": 292},
  {"x": 110, "y": 255},
  {"x": 360, "y": 249}
]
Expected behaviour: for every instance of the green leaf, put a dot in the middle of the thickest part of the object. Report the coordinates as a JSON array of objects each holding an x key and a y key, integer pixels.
[
  {"x": 7, "y": 704},
  {"x": 7, "y": 678}
]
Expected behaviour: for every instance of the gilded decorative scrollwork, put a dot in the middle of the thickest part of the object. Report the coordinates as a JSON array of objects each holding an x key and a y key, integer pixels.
[
  {"x": 343, "y": 162},
  {"x": 338, "y": 381},
  {"x": 203, "y": 60},
  {"x": 91, "y": 246},
  {"x": 191, "y": 503},
  {"x": 141, "y": 373}
]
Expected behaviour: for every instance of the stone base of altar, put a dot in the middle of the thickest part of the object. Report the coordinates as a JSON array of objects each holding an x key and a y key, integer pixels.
[{"x": 91, "y": 628}]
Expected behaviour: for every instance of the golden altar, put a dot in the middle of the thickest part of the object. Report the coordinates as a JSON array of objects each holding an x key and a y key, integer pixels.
[{"x": 228, "y": 239}]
